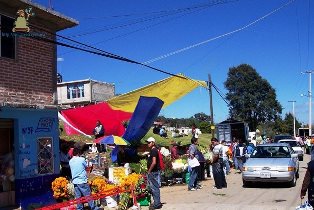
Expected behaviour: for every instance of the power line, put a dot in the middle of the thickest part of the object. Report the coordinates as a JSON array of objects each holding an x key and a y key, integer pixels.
[
  {"x": 220, "y": 91},
  {"x": 167, "y": 13},
  {"x": 220, "y": 94},
  {"x": 105, "y": 54},
  {"x": 214, "y": 2},
  {"x": 101, "y": 52},
  {"x": 140, "y": 29},
  {"x": 217, "y": 37}
]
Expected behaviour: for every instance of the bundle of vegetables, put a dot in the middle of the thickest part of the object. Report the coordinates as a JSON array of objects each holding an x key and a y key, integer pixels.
[{"x": 179, "y": 165}]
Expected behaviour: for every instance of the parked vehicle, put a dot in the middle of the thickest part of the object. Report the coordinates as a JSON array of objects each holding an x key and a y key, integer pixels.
[
  {"x": 274, "y": 162},
  {"x": 282, "y": 136},
  {"x": 296, "y": 146},
  {"x": 232, "y": 129},
  {"x": 303, "y": 132}
]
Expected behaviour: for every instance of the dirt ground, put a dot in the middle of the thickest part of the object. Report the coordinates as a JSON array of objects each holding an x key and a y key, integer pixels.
[{"x": 235, "y": 197}]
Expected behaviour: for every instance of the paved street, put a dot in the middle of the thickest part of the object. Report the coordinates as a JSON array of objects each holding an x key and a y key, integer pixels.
[{"x": 261, "y": 196}]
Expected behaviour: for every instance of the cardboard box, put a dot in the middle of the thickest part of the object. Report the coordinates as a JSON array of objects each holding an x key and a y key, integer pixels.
[{"x": 115, "y": 173}]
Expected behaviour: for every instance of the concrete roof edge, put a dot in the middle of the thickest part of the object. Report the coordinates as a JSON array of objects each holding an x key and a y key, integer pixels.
[
  {"x": 84, "y": 80},
  {"x": 53, "y": 12}
]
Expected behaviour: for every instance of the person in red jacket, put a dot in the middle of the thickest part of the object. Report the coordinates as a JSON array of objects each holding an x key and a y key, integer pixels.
[{"x": 174, "y": 150}]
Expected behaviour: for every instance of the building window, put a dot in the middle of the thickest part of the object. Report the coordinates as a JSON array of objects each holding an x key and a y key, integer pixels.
[
  {"x": 75, "y": 91},
  {"x": 45, "y": 155},
  {"x": 7, "y": 40}
]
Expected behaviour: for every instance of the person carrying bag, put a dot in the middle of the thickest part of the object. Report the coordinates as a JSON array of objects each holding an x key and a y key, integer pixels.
[
  {"x": 194, "y": 165},
  {"x": 193, "y": 162},
  {"x": 218, "y": 172}
]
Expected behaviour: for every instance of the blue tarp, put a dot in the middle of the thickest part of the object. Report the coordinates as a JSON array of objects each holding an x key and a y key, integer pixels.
[{"x": 144, "y": 115}]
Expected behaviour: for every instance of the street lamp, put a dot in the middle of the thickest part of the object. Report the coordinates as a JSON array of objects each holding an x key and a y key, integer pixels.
[
  {"x": 310, "y": 100},
  {"x": 293, "y": 117}
]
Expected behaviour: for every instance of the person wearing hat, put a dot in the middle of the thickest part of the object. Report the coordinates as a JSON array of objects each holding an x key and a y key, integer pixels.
[{"x": 153, "y": 172}]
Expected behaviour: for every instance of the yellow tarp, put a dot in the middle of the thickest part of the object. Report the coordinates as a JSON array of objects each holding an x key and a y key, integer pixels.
[{"x": 169, "y": 90}]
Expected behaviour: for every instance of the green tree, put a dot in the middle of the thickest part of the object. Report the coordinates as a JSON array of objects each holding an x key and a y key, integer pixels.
[
  {"x": 251, "y": 98},
  {"x": 202, "y": 117},
  {"x": 205, "y": 127},
  {"x": 288, "y": 121}
]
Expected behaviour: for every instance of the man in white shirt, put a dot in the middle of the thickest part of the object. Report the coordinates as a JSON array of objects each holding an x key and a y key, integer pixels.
[{"x": 218, "y": 172}]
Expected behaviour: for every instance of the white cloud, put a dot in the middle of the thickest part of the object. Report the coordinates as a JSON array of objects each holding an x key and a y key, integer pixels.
[{"x": 60, "y": 59}]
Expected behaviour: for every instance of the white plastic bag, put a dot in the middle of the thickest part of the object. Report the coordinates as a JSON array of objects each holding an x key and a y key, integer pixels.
[
  {"x": 111, "y": 203},
  {"x": 305, "y": 206},
  {"x": 193, "y": 162}
]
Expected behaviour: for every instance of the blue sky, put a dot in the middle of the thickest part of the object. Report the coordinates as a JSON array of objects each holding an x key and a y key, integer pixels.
[{"x": 279, "y": 46}]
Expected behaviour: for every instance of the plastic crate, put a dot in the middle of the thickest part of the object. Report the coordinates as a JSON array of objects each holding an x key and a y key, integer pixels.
[
  {"x": 144, "y": 201},
  {"x": 187, "y": 178}
]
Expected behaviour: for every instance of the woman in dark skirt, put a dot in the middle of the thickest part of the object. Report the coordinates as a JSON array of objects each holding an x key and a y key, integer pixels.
[{"x": 218, "y": 172}]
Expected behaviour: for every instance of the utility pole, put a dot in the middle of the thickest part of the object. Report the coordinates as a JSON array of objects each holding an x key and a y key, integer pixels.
[
  {"x": 50, "y": 4},
  {"x": 293, "y": 117},
  {"x": 310, "y": 101},
  {"x": 212, "y": 126}
]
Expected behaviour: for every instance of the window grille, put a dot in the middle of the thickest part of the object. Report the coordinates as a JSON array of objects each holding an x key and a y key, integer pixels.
[{"x": 45, "y": 155}]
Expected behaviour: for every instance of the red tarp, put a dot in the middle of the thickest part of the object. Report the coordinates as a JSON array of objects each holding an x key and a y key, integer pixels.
[{"x": 84, "y": 118}]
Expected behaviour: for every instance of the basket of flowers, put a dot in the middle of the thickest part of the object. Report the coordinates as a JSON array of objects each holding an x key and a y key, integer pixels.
[
  {"x": 60, "y": 189},
  {"x": 142, "y": 192},
  {"x": 128, "y": 184},
  {"x": 98, "y": 185}
]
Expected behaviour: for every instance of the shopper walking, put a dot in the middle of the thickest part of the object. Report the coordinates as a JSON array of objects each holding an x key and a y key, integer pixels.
[
  {"x": 308, "y": 183},
  {"x": 218, "y": 172},
  {"x": 194, "y": 168},
  {"x": 153, "y": 172}
]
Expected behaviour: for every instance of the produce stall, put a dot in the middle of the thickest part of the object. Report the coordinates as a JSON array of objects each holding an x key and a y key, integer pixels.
[{"x": 129, "y": 182}]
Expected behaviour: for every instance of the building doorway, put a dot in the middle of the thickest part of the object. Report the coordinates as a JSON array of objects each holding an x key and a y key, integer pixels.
[{"x": 7, "y": 172}]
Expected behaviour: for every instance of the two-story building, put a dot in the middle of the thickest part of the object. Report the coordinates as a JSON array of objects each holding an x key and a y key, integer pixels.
[
  {"x": 84, "y": 92},
  {"x": 29, "y": 133}
]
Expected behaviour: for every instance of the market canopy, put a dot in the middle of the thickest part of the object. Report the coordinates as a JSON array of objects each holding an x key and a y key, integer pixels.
[
  {"x": 119, "y": 109},
  {"x": 168, "y": 90},
  {"x": 145, "y": 113},
  {"x": 84, "y": 119}
]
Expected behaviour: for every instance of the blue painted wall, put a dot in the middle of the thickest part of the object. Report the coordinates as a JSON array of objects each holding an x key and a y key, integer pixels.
[{"x": 29, "y": 125}]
